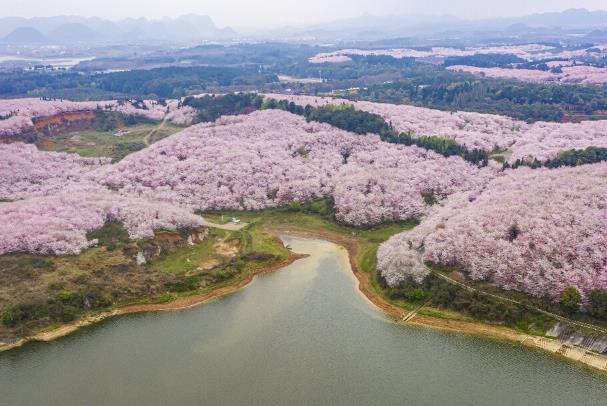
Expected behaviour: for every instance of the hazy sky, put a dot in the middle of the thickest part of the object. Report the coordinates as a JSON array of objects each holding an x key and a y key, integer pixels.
[{"x": 285, "y": 12}]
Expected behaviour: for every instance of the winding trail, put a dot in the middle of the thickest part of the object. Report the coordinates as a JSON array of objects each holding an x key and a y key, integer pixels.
[{"x": 146, "y": 139}]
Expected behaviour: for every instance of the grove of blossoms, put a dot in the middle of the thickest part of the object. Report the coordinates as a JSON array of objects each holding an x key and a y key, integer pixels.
[
  {"x": 271, "y": 158},
  {"x": 25, "y": 171},
  {"x": 570, "y": 74},
  {"x": 18, "y": 115},
  {"x": 545, "y": 140},
  {"x": 541, "y": 140},
  {"x": 474, "y": 130},
  {"x": 390, "y": 183},
  {"x": 537, "y": 231},
  {"x": 265, "y": 159},
  {"x": 58, "y": 223},
  {"x": 528, "y": 51}
]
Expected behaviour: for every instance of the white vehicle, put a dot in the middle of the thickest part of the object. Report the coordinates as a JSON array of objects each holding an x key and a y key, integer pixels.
[{"x": 235, "y": 220}]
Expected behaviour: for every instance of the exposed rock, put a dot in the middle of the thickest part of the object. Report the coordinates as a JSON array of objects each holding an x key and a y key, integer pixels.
[{"x": 140, "y": 258}]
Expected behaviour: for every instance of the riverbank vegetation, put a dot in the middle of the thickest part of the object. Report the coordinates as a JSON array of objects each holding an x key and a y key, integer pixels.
[
  {"x": 109, "y": 275},
  {"x": 38, "y": 292}
]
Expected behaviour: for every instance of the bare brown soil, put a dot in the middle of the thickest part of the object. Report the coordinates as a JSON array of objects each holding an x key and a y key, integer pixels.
[
  {"x": 64, "y": 119},
  {"x": 228, "y": 249}
]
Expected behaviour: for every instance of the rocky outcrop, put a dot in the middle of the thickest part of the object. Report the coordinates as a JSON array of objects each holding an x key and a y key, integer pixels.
[{"x": 166, "y": 241}]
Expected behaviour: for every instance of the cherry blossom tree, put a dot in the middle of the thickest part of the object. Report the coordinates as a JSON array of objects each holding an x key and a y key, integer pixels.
[
  {"x": 25, "y": 171},
  {"x": 58, "y": 223},
  {"x": 537, "y": 231}
]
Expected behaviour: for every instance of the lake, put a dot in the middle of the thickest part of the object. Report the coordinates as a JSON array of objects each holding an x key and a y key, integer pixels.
[{"x": 300, "y": 336}]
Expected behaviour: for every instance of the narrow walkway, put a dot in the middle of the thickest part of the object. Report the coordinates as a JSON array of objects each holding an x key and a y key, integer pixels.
[
  {"x": 146, "y": 139},
  {"x": 227, "y": 226},
  {"x": 506, "y": 299},
  {"x": 414, "y": 312}
]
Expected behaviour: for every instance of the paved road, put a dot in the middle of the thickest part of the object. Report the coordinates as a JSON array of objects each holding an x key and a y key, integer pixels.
[{"x": 227, "y": 226}]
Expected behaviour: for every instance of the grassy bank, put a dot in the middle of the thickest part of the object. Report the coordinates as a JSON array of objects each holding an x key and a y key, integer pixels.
[
  {"x": 42, "y": 292},
  {"x": 38, "y": 293}
]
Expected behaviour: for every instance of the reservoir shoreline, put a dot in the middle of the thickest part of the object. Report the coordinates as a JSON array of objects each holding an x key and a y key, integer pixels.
[
  {"x": 182, "y": 303},
  {"x": 364, "y": 287}
]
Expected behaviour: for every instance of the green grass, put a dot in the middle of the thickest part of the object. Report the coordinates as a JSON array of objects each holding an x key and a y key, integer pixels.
[
  {"x": 437, "y": 314},
  {"x": 501, "y": 156},
  {"x": 368, "y": 239},
  {"x": 261, "y": 241},
  {"x": 97, "y": 143},
  {"x": 187, "y": 259}
]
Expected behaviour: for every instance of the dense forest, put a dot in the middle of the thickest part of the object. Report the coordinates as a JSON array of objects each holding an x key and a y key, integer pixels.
[
  {"x": 173, "y": 82},
  {"x": 211, "y": 107},
  {"x": 455, "y": 91},
  {"x": 374, "y": 78},
  {"x": 574, "y": 157}
]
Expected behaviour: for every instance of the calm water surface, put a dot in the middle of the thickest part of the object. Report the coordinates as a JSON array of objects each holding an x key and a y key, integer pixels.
[{"x": 301, "y": 336}]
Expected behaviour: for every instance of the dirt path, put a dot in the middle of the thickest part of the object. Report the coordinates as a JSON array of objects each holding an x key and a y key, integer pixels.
[
  {"x": 146, "y": 139},
  {"x": 566, "y": 320}
]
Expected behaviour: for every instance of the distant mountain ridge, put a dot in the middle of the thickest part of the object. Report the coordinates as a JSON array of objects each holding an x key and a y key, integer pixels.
[
  {"x": 191, "y": 29},
  {"x": 369, "y": 27},
  {"x": 74, "y": 29},
  {"x": 25, "y": 35}
]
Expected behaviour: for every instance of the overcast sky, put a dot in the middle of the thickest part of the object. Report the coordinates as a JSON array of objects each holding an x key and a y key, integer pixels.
[{"x": 285, "y": 12}]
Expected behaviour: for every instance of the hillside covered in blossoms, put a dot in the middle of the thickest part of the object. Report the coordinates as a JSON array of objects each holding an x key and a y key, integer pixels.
[
  {"x": 589, "y": 75},
  {"x": 19, "y": 115},
  {"x": 265, "y": 159},
  {"x": 494, "y": 223},
  {"x": 488, "y": 132},
  {"x": 537, "y": 231}
]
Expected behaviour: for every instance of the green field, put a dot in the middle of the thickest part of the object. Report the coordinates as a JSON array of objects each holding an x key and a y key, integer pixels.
[{"x": 115, "y": 144}]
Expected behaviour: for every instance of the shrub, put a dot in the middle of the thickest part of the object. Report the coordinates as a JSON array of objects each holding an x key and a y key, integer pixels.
[
  {"x": 597, "y": 303},
  {"x": 186, "y": 284},
  {"x": 570, "y": 299}
]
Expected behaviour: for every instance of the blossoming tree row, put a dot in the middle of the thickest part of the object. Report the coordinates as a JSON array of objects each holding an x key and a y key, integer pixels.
[{"x": 568, "y": 74}]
